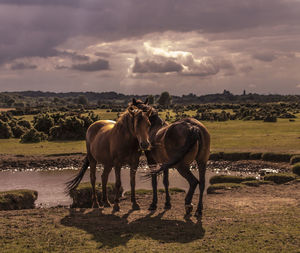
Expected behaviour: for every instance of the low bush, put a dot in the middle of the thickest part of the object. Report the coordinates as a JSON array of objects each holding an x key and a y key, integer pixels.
[
  {"x": 279, "y": 178},
  {"x": 255, "y": 183},
  {"x": 43, "y": 123},
  {"x": 215, "y": 188},
  {"x": 17, "y": 199},
  {"x": 295, "y": 159},
  {"x": 5, "y": 130},
  {"x": 72, "y": 128},
  {"x": 296, "y": 169},
  {"x": 24, "y": 123},
  {"x": 33, "y": 136},
  {"x": 229, "y": 179},
  {"x": 82, "y": 195},
  {"x": 273, "y": 157}
]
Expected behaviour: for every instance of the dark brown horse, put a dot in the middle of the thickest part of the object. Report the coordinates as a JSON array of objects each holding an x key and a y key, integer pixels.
[
  {"x": 177, "y": 145},
  {"x": 115, "y": 144}
]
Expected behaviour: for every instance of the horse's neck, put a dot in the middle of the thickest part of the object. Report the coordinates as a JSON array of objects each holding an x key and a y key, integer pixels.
[
  {"x": 156, "y": 124},
  {"x": 124, "y": 129}
]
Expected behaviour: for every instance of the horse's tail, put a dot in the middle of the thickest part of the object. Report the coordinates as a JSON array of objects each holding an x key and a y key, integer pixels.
[
  {"x": 73, "y": 183},
  {"x": 193, "y": 136}
]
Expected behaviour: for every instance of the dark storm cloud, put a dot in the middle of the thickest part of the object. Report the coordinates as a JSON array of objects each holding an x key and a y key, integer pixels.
[
  {"x": 265, "y": 56},
  {"x": 37, "y": 27},
  {"x": 150, "y": 66},
  {"x": 74, "y": 56},
  {"x": 22, "y": 65},
  {"x": 92, "y": 66}
]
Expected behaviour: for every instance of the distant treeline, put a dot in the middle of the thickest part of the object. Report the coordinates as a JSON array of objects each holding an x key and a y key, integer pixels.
[{"x": 36, "y": 98}]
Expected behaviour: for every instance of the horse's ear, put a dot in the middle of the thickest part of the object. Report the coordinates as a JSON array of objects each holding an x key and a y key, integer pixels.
[
  {"x": 149, "y": 112},
  {"x": 146, "y": 101},
  {"x": 134, "y": 101}
]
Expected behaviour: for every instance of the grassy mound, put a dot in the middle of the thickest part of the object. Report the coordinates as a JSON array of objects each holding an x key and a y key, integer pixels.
[
  {"x": 172, "y": 190},
  {"x": 17, "y": 199},
  {"x": 255, "y": 183},
  {"x": 215, "y": 188},
  {"x": 229, "y": 179},
  {"x": 82, "y": 195},
  {"x": 279, "y": 178},
  {"x": 273, "y": 157},
  {"x": 255, "y": 156},
  {"x": 295, "y": 159},
  {"x": 296, "y": 169}
]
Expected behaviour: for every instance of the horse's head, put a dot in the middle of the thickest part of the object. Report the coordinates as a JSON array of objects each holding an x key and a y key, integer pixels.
[{"x": 141, "y": 126}]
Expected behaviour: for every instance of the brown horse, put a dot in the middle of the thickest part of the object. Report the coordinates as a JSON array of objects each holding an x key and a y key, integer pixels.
[
  {"x": 177, "y": 145},
  {"x": 115, "y": 144}
]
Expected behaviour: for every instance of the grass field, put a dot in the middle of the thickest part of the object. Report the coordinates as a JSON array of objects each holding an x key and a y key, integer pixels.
[
  {"x": 229, "y": 136},
  {"x": 260, "y": 219}
]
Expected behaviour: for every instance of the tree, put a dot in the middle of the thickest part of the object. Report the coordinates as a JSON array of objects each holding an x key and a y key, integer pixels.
[
  {"x": 150, "y": 99},
  {"x": 82, "y": 100},
  {"x": 165, "y": 99}
]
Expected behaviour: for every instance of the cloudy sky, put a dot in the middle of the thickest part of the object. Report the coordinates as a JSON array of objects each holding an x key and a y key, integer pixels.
[{"x": 146, "y": 47}]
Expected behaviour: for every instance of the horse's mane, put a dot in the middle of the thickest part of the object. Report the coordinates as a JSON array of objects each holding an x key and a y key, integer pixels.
[
  {"x": 124, "y": 122},
  {"x": 154, "y": 118}
]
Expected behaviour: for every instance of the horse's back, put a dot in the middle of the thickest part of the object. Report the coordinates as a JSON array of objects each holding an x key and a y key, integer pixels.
[{"x": 170, "y": 139}]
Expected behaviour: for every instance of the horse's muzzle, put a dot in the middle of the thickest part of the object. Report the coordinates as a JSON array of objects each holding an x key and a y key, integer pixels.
[{"x": 145, "y": 145}]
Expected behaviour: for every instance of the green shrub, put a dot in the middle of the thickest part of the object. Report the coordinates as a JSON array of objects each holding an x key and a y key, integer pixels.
[
  {"x": 255, "y": 183},
  {"x": 17, "y": 199},
  {"x": 229, "y": 179},
  {"x": 273, "y": 157},
  {"x": 295, "y": 159},
  {"x": 18, "y": 131},
  {"x": 32, "y": 136},
  {"x": 43, "y": 123},
  {"x": 82, "y": 195},
  {"x": 279, "y": 178},
  {"x": 24, "y": 123},
  {"x": 5, "y": 130},
  {"x": 225, "y": 186},
  {"x": 72, "y": 128},
  {"x": 296, "y": 169}
]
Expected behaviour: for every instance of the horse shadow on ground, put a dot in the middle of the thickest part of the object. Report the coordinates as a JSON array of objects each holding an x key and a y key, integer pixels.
[{"x": 111, "y": 230}]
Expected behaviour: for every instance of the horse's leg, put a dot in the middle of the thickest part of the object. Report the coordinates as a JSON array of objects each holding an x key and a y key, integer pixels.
[
  {"x": 184, "y": 171},
  {"x": 166, "y": 184},
  {"x": 133, "y": 169},
  {"x": 104, "y": 176},
  {"x": 93, "y": 164},
  {"x": 153, "y": 205},
  {"x": 202, "y": 170},
  {"x": 117, "y": 187}
]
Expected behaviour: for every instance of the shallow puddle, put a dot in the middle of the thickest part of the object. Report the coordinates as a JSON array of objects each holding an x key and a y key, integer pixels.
[{"x": 50, "y": 184}]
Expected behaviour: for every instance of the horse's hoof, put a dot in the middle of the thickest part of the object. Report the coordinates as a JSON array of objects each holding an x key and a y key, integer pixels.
[
  {"x": 188, "y": 209},
  {"x": 106, "y": 204},
  {"x": 135, "y": 206},
  {"x": 152, "y": 207},
  {"x": 116, "y": 208},
  {"x": 95, "y": 205},
  {"x": 167, "y": 206}
]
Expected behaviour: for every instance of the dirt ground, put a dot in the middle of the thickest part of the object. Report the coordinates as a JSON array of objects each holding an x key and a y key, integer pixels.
[{"x": 248, "y": 219}]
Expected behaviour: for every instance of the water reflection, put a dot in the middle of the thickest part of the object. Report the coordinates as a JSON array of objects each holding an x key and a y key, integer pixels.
[{"x": 50, "y": 184}]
